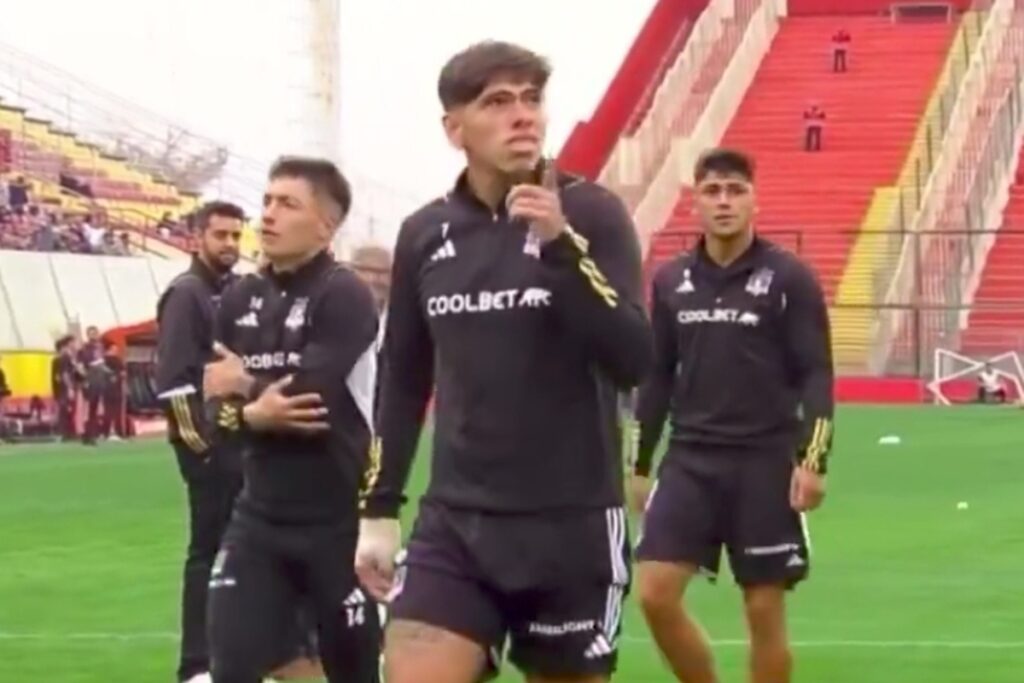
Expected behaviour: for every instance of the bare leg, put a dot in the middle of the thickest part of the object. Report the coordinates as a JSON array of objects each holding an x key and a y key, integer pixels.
[
  {"x": 770, "y": 659},
  {"x": 415, "y": 652},
  {"x": 681, "y": 640}
]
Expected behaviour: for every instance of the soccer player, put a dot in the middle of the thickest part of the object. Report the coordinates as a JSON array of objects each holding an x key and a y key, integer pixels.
[
  {"x": 296, "y": 382},
  {"x": 516, "y": 295},
  {"x": 743, "y": 358},
  {"x": 212, "y": 475}
]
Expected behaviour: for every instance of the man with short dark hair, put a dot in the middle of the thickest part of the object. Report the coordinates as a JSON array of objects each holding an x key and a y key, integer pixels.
[
  {"x": 518, "y": 295},
  {"x": 743, "y": 359},
  {"x": 212, "y": 475},
  {"x": 294, "y": 387}
]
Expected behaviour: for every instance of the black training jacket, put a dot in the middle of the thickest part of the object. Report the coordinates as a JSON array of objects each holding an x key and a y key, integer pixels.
[
  {"x": 185, "y": 316},
  {"x": 527, "y": 347},
  {"x": 319, "y": 325},
  {"x": 743, "y": 356}
]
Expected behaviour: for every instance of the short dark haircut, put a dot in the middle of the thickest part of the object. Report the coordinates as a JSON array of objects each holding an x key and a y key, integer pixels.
[
  {"x": 466, "y": 74},
  {"x": 725, "y": 162},
  {"x": 322, "y": 175},
  {"x": 217, "y": 208}
]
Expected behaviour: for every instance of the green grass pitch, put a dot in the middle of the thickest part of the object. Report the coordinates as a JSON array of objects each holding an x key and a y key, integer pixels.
[{"x": 905, "y": 587}]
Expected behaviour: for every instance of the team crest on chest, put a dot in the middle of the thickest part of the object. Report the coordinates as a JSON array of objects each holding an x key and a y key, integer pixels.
[
  {"x": 297, "y": 316},
  {"x": 760, "y": 281}
]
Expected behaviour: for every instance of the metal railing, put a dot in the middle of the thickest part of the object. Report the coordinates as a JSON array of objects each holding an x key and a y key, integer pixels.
[
  {"x": 910, "y": 186},
  {"x": 979, "y": 329},
  {"x": 709, "y": 48}
]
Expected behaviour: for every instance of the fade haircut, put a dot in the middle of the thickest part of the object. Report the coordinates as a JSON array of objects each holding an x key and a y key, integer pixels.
[
  {"x": 468, "y": 73},
  {"x": 217, "y": 208},
  {"x": 323, "y": 177},
  {"x": 724, "y": 162}
]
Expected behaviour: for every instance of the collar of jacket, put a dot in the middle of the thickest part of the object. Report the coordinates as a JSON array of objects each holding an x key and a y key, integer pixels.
[
  {"x": 217, "y": 281},
  {"x": 744, "y": 263},
  {"x": 305, "y": 273}
]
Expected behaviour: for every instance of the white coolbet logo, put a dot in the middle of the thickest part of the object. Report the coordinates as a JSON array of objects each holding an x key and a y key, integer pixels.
[
  {"x": 270, "y": 361},
  {"x": 719, "y": 315},
  {"x": 485, "y": 302}
]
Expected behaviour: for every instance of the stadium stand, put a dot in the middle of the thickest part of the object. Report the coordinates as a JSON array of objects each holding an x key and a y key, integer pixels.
[
  {"x": 904, "y": 144},
  {"x": 79, "y": 178},
  {"x": 998, "y": 321},
  {"x": 632, "y": 89},
  {"x": 821, "y": 196}
]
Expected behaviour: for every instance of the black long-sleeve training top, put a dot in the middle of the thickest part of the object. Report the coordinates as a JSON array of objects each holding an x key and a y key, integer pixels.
[
  {"x": 527, "y": 346},
  {"x": 319, "y": 325},
  {"x": 185, "y": 316},
  {"x": 743, "y": 356}
]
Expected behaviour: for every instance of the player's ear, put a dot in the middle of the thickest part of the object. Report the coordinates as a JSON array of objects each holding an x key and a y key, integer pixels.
[{"x": 452, "y": 123}]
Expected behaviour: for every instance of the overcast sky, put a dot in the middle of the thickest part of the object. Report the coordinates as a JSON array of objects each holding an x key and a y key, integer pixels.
[{"x": 235, "y": 70}]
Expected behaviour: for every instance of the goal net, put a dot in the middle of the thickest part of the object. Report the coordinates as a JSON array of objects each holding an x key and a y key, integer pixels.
[{"x": 957, "y": 378}]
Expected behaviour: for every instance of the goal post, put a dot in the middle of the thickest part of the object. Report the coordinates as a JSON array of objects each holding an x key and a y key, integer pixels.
[{"x": 955, "y": 376}]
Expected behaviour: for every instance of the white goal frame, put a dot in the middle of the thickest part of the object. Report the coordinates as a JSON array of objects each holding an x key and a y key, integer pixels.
[{"x": 972, "y": 366}]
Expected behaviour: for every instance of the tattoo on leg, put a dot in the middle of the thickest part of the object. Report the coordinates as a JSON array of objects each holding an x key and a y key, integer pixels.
[{"x": 404, "y": 631}]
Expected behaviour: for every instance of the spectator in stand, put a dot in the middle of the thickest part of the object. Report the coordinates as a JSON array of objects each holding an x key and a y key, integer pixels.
[
  {"x": 166, "y": 226},
  {"x": 75, "y": 238},
  {"x": 18, "y": 194},
  {"x": 112, "y": 246},
  {"x": 814, "y": 123},
  {"x": 5, "y": 193},
  {"x": 94, "y": 234},
  {"x": 125, "y": 244},
  {"x": 46, "y": 235},
  {"x": 840, "y": 46}
]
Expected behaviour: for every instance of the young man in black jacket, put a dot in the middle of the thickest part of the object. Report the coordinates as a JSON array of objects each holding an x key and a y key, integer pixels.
[
  {"x": 212, "y": 475},
  {"x": 517, "y": 295},
  {"x": 743, "y": 360},
  {"x": 294, "y": 388}
]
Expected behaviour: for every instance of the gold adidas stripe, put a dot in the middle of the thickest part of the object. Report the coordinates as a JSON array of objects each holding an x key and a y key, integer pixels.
[
  {"x": 186, "y": 427},
  {"x": 579, "y": 240},
  {"x": 598, "y": 282},
  {"x": 818, "y": 445},
  {"x": 372, "y": 471}
]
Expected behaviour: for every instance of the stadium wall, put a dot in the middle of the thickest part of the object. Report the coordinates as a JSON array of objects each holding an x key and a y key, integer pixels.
[
  {"x": 847, "y": 7},
  {"x": 590, "y": 143},
  {"x": 43, "y": 296}
]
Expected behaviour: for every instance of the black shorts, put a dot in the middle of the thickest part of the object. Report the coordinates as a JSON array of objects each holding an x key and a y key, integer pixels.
[
  {"x": 713, "y": 497},
  {"x": 263, "y": 577},
  {"x": 551, "y": 585}
]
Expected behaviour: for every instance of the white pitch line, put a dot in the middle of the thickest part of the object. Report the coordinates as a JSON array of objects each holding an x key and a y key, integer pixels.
[
  {"x": 632, "y": 640},
  {"x": 877, "y": 644}
]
